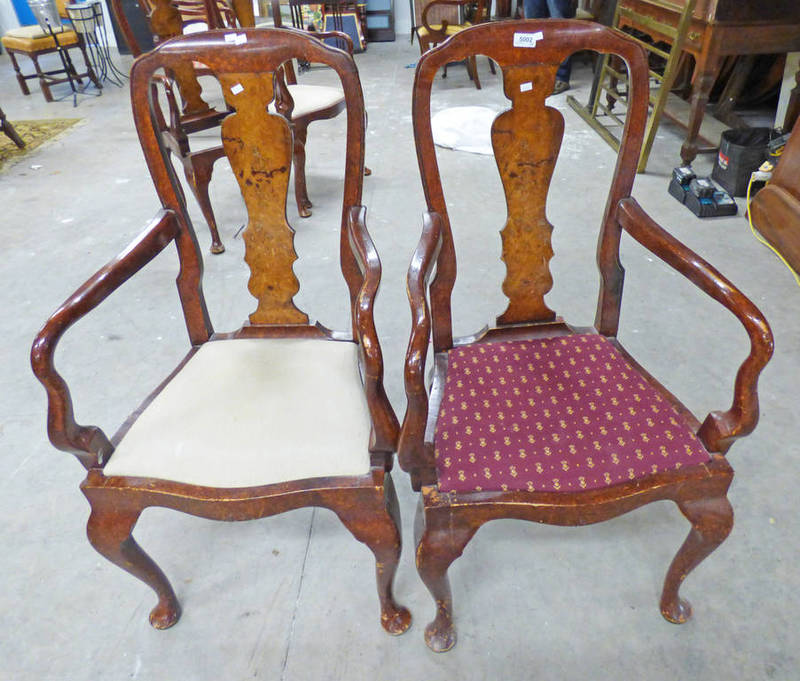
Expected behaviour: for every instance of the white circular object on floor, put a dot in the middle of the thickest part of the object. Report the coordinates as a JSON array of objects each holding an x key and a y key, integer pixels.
[{"x": 464, "y": 128}]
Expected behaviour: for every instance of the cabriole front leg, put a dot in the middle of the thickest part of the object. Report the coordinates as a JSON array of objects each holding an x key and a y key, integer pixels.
[
  {"x": 712, "y": 520},
  {"x": 380, "y": 531},
  {"x": 440, "y": 537},
  {"x": 109, "y": 531}
]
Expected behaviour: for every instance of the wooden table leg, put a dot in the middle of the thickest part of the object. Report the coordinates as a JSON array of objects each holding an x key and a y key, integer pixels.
[{"x": 706, "y": 72}]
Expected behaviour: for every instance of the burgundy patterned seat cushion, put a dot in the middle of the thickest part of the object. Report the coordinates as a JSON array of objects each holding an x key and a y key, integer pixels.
[{"x": 558, "y": 414}]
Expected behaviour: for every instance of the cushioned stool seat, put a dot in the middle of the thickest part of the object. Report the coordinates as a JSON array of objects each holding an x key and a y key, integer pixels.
[
  {"x": 250, "y": 412},
  {"x": 33, "y": 42},
  {"x": 558, "y": 414},
  {"x": 34, "y": 39}
]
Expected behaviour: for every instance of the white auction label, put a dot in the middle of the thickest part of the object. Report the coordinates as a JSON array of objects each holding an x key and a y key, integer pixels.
[
  {"x": 236, "y": 89},
  {"x": 527, "y": 39},
  {"x": 526, "y": 87}
]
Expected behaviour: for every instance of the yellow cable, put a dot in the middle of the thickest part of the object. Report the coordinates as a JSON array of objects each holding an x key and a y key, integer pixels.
[{"x": 762, "y": 239}]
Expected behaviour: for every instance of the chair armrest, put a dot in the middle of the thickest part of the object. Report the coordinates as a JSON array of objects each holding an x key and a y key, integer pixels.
[
  {"x": 720, "y": 428},
  {"x": 89, "y": 443},
  {"x": 338, "y": 35},
  {"x": 384, "y": 421},
  {"x": 412, "y": 434}
]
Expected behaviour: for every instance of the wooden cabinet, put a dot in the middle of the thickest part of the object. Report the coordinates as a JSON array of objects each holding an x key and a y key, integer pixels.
[{"x": 380, "y": 20}]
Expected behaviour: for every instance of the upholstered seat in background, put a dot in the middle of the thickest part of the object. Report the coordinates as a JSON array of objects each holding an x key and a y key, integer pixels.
[
  {"x": 33, "y": 38},
  {"x": 554, "y": 414},
  {"x": 311, "y": 98},
  {"x": 33, "y": 42}
]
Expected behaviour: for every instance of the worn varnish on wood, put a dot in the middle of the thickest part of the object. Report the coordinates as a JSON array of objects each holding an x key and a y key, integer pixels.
[
  {"x": 259, "y": 148},
  {"x": 526, "y": 142},
  {"x": 453, "y": 506},
  {"x": 259, "y": 145}
]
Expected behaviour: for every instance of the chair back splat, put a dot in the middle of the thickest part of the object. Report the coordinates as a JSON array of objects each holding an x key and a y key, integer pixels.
[
  {"x": 258, "y": 144},
  {"x": 527, "y": 140}
]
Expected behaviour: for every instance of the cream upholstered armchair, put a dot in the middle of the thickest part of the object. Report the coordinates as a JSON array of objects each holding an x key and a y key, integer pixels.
[{"x": 278, "y": 415}]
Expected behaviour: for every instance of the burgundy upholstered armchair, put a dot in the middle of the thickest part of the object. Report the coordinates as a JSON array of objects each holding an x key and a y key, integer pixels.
[{"x": 533, "y": 418}]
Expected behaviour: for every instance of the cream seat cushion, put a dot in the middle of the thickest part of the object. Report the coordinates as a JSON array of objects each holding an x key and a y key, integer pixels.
[
  {"x": 311, "y": 98},
  {"x": 250, "y": 412}
]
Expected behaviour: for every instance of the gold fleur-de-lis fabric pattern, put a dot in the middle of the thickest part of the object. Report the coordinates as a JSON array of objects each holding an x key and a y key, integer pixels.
[{"x": 557, "y": 414}]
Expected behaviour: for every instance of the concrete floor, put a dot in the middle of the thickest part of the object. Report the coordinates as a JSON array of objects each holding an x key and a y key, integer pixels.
[{"x": 292, "y": 597}]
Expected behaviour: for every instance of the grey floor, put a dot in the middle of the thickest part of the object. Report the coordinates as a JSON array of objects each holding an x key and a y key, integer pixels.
[{"x": 292, "y": 597}]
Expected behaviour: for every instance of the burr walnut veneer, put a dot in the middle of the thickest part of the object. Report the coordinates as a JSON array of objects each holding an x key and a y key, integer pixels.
[
  {"x": 278, "y": 415},
  {"x": 533, "y": 418}
]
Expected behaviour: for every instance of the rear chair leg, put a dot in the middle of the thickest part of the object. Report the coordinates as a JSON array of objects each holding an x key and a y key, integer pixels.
[
  {"x": 109, "y": 531},
  {"x": 299, "y": 156},
  {"x": 712, "y": 520},
  {"x": 23, "y": 85},
  {"x": 440, "y": 539},
  {"x": 43, "y": 83},
  {"x": 198, "y": 175},
  {"x": 380, "y": 531}
]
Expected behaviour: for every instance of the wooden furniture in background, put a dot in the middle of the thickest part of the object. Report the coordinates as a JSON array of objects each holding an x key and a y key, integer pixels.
[
  {"x": 437, "y": 20},
  {"x": 535, "y": 419},
  {"x": 292, "y": 423},
  {"x": 379, "y": 20},
  {"x": 8, "y": 130},
  {"x": 775, "y": 210},
  {"x": 601, "y": 116},
  {"x": 167, "y": 19},
  {"x": 306, "y": 103},
  {"x": 309, "y": 103},
  {"x": 718, "y": 28},
  {"x": 34, "y": 42}
]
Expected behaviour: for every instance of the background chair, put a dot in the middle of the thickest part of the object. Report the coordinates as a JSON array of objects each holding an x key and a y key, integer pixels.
[
  {"x": 168, "y": 19},
  {"x": 274, "y": 416},
  {"x": 532, "y": 418},
  {"x": 437, "y": 20},
  {"x": 311, "y": 103},
  {"x": 34, "y": 41}
]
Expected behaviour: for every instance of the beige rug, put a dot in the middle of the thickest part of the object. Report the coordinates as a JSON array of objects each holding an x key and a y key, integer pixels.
[{"x": 34, "y": 134}]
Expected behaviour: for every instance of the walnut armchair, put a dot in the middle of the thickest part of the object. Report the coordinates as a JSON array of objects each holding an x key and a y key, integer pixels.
[
  {"x": 299, "y": 416},
  {"x": 533, "y": 418}
]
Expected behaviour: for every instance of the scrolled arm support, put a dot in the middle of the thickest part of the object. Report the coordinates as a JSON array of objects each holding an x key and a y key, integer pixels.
[
  {"x": 411, "y": 451},
  {"x": 336, "y": 35},
  {"x": 720, "y": 428},
  {"x": 89, "y": 443},
  {"x": 384, "y": 422}
]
